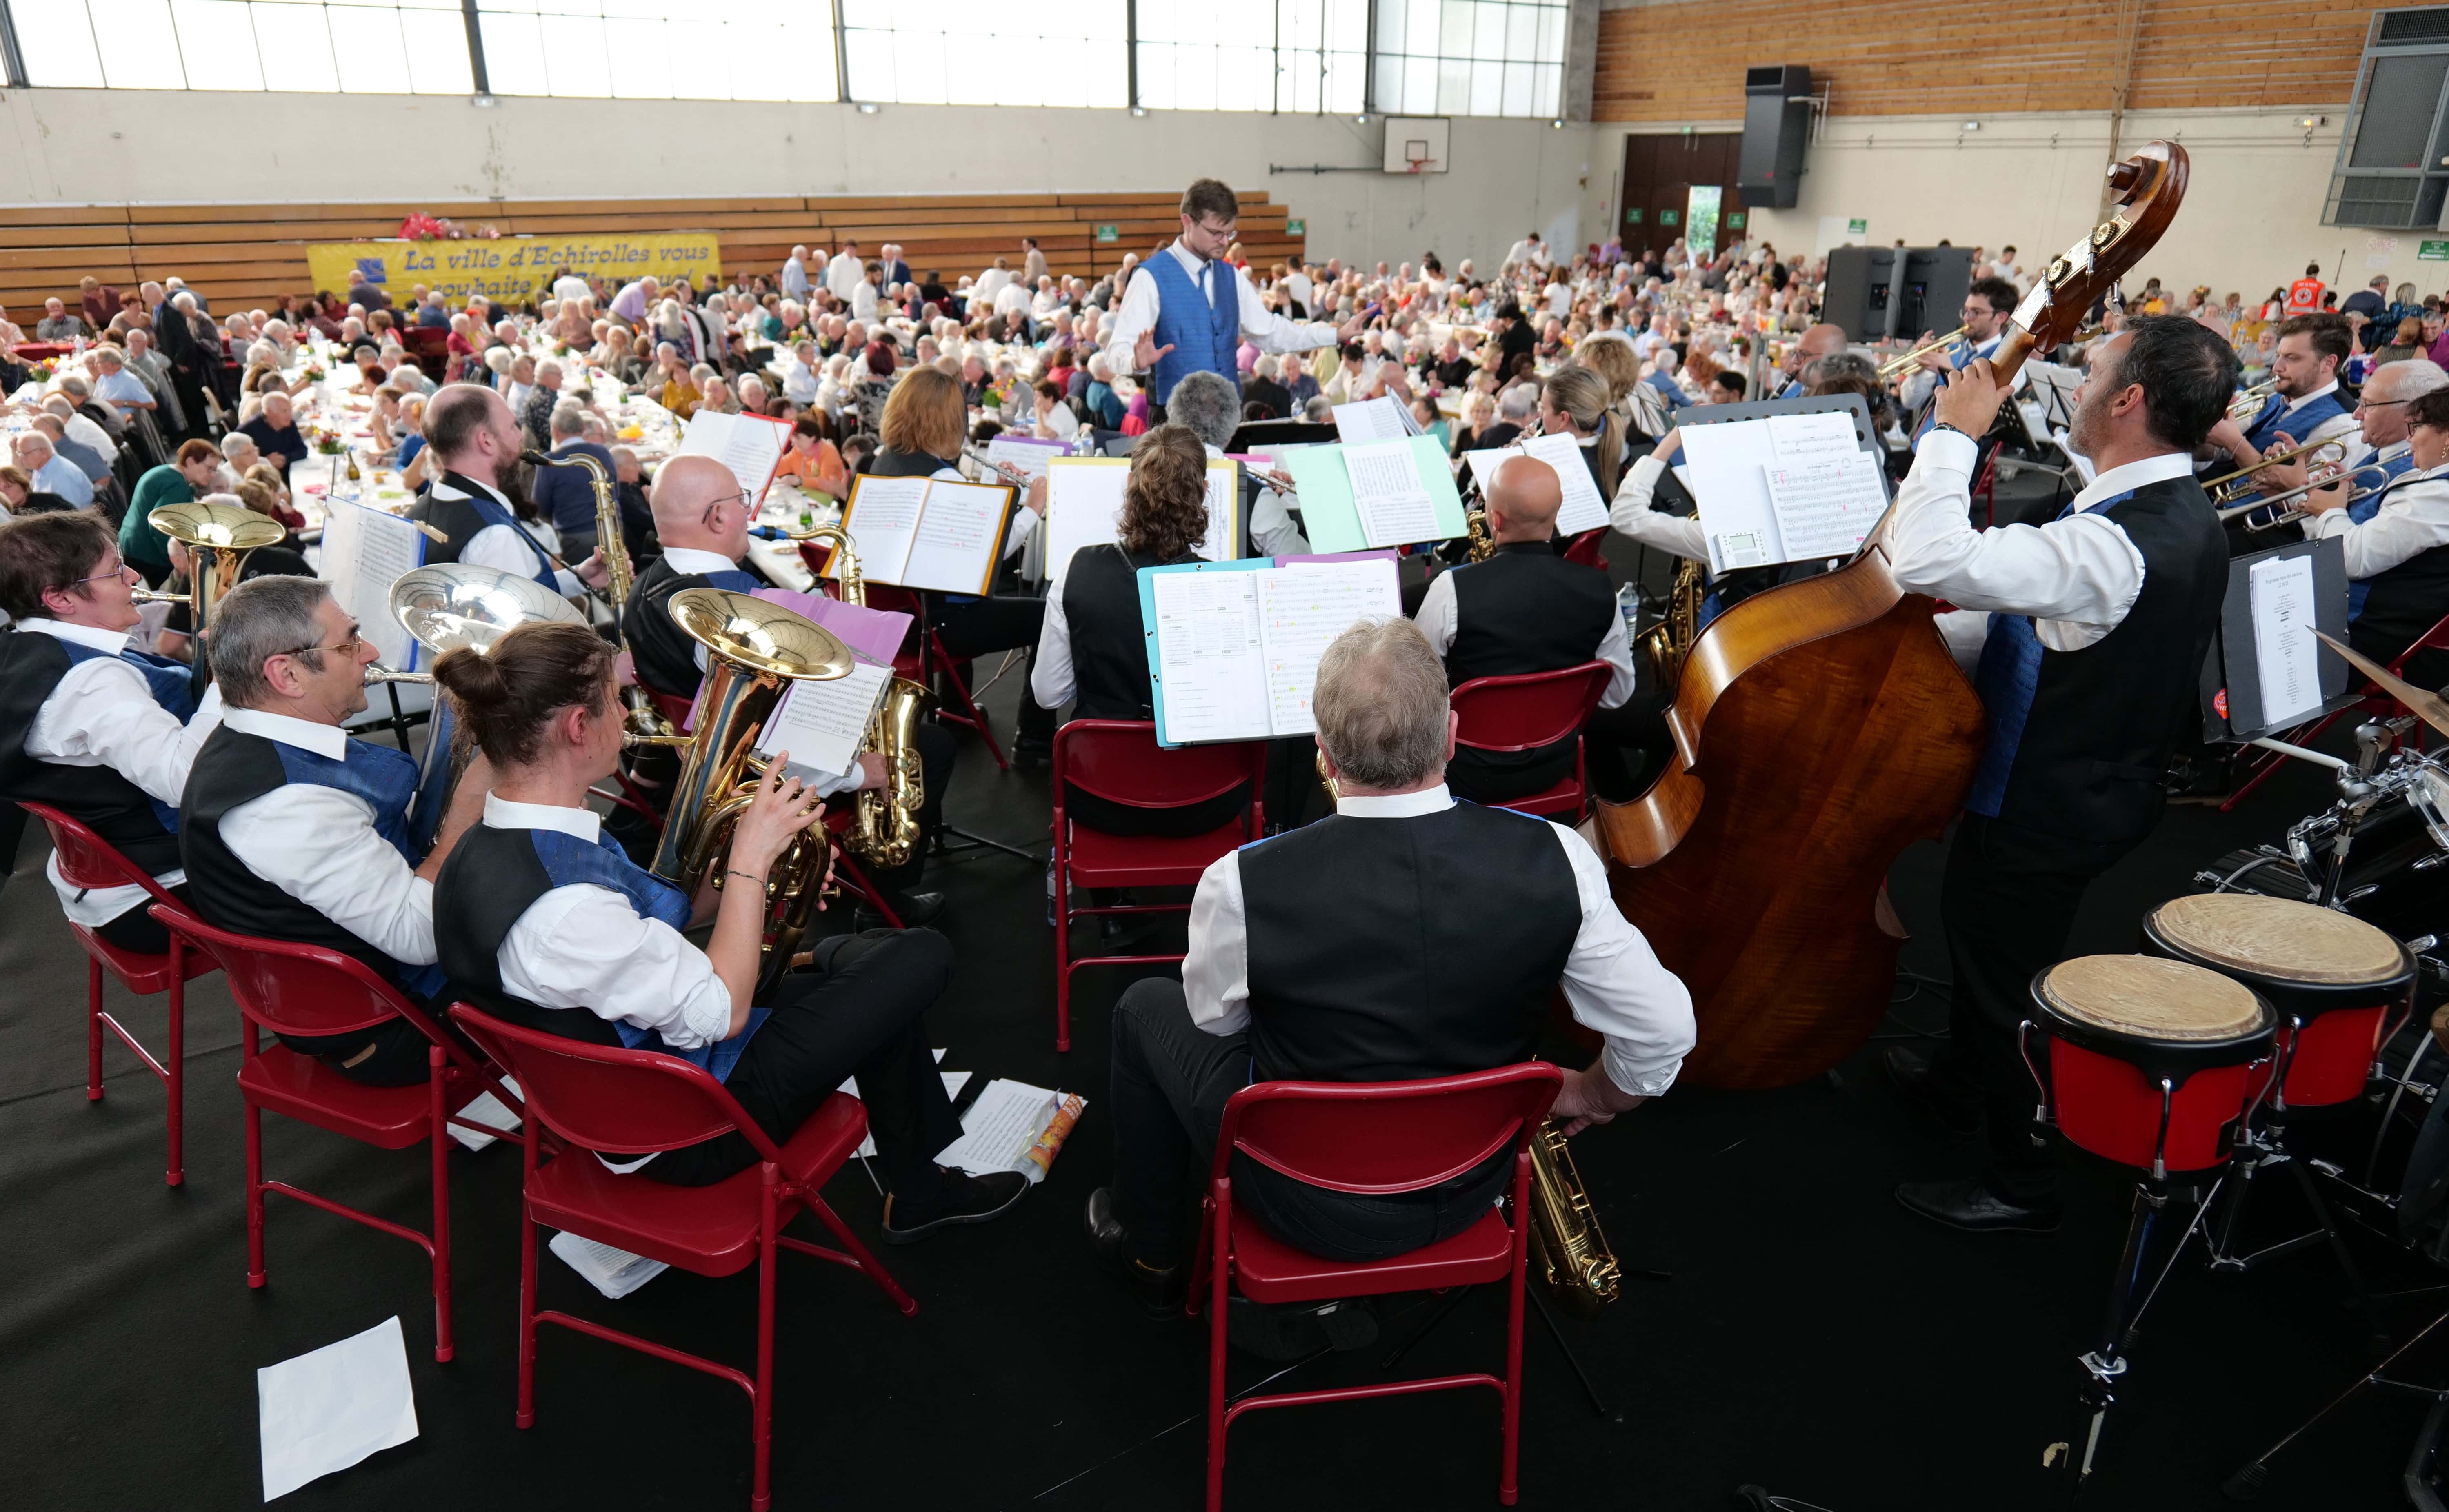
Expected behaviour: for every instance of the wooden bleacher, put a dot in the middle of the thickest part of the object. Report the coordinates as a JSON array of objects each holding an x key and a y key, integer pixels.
[{"x": 247, "y": 255}]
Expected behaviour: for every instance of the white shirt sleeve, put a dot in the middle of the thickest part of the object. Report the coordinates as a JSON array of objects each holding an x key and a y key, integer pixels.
[
  {"x": 103, "y": 714},
  {"x": 1135, "y": 318},
  {"x": 1616, "y": 987},
  {"x": 1272, "y": 532},
  {"x": 1632, "y": 515},
  {"x": 498, "y": 547},
  {"x": 1052, "y": 682},
  {"x": 318, "y": 845},
  {"x": 1436, "y": 616},
  {"x": 1268, "y": 331},
  {"x": 1615, "y": 649},
  {"x": 2079, "y": 577},
  {"x": 583, "y": 947},
  {"x": 1216, "y": 972},
  {"x": 2414, "y": 519}
]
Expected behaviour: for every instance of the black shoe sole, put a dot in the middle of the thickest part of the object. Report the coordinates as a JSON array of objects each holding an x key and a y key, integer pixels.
[{"x": 893, "y": 1235}]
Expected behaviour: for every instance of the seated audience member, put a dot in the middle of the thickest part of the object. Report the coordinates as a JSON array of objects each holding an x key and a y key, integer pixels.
[
  {"x": 1262, "y": 389},
  {"x": 812, "y": 463},
  {"x": 546, "y": 924},
  {"x": 196, "y": 473},
  {"x": 1524, "y": 610},
  {"x": 103, "y": 734},
  {"x": 702, "y": 520},
  {"x": 566, "y": 496},
  {"x": 276, "y": 434},
  {"x": 2397, "y": 541},
  {"x": 50, "y": 472},
  {"x": 1406, "y": 936},
  {"x": 292, "y": 830}
]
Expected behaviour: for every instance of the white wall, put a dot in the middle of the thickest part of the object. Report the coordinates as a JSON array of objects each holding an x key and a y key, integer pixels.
[
  {"x": 2251, "y": 218},
  {"x": 76, "y": 146}
]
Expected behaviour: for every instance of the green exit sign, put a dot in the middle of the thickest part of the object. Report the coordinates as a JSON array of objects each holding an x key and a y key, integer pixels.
[
  {"x": 1857, "y": 228},
  {"x": 1632, "y": 215},
  {"x": 1108, "y": 231},
  {"x": 1667, "y": 218},
  {"x": 1294, "y": 227},
  {"x": 2432, "y": 252},
  {"x": 1734, "y": 220}
]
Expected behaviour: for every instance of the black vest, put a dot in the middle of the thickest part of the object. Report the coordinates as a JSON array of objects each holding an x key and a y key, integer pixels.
[
  {"x": 459, "y": 519},
  {"x": 492, "y": 876},
  {"x": 1101, "y": 608},
  {"x": 662, "y": 653},
  {"x": 1524, "y": 610},
  {"x": 232, "y": 770},
  {"x": 2086, "y": 758},
  {"x": 887, "y": 463},
  {"x": 32, "y": 664},
  {"x": 1372, "y": 957}
]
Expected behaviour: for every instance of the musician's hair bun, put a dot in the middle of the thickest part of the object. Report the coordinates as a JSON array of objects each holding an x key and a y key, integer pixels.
[{"x": 505, "y": 696}]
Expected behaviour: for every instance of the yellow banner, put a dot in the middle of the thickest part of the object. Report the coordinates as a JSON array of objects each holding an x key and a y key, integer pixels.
[{"x": 509, "y": 269}]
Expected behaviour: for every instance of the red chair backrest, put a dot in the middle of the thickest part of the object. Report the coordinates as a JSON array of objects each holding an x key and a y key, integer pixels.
[
  {"x": 1379, "y": 1138},
  {"x": 2435, "y": 638},
  {"x": 1120, "y": 761},
  {"x": 292, "y": 988},
  {"x": 602, "y": 1097},
  {"x": 1585, "y": 550},
  {"x": 1530, "y": 708},
  {"x": 87, "y": 860}
]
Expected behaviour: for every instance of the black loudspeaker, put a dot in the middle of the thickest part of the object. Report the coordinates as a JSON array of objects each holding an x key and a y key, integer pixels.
[
  {"x": 1777, "y": 123},
  {"x": 1873, "y": 297}
]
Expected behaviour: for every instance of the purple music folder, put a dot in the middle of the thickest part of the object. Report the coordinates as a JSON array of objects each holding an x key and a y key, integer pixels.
[
  {"x": 875, "y": 635},
  {"x": 1381, "y": 554}
]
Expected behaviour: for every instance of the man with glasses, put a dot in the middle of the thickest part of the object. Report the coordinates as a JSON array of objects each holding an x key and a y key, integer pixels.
[
  {"x": 292, "y": 830},
  {"x": 1188, "y": 309},
  {"x": 2306, "y": 408},
  {"x": 1987, "y": 304},
  {"x": 2397, "y": 538},
  {"x": 101, "y": 733}
]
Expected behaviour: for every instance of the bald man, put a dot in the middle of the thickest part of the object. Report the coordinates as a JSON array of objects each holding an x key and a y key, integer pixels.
[
  {"x": 701, "y": 518},
  {"x": 1524, "y": 610},
  {"x": 1822, "y": 340}
]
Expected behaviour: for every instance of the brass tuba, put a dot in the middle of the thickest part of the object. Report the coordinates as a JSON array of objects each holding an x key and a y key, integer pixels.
[
  {"x": 753, "y": 649},
  {"x": 887, "y": 831},
  {"x": 1569, "y": 1255}
]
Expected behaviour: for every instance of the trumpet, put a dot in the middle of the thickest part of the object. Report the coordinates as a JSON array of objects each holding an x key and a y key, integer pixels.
[
  {"x": 2249, "y": 402},
  {"x": 1898, "y": 367},
  {"x": 2294, "y": 511},
  {"x": 2229, "y": 486}
]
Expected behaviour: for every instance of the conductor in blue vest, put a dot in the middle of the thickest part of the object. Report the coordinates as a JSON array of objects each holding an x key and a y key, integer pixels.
[{"x": 1188, "y": 310}]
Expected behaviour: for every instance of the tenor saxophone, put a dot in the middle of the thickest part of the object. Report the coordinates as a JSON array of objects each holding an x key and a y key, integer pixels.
[
  {"x": 1569, "y": 1255},
  {"x": 1668, "y": 642}
]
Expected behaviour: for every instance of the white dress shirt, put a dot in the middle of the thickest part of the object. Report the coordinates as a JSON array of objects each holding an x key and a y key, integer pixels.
[
  {"x": 1439, "y": 617},
  {"x": 318, "y": 845},
  {"x": 799, "y": 382},
  {"x": 102, "y": 714},
  {"x": 2077, "y": 577},
  {"x": 1612, "y": 981},
  {"x": 2341, "y": 428},
  {"x": 2413, "y": 518},
  {"x": 990, "y": 284},
  {"x": 1261, "y": 326},
  {"x": 499, "y": 545},
  {"x": 863, "y": 302},
  {"x": 843, "y": 273},
  {"x": 1631, "y": 513},
  {"x": 570, "y": 286},
  {"x": 86, "y": 431}
]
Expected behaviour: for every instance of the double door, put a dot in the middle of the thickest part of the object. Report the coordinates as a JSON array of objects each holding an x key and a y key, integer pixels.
[{"x": 1680, "y": 185}]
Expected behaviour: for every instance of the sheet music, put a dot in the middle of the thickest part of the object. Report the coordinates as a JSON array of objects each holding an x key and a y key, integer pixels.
[
  {"x": 1023, "y": 454},
  {"x": 1221, "y": 543},
  {"x": 1729, "y": 481},
  {"x": 1084, "y": 508},
  {"x": 2280, "y": 593},
  {"x": 1209, "y": 656},
  {"x": 1826, "y": 507},
  {"x": 999, "y": 1127},
  {"x": 882, "y": 519},
  {"x": 1800, "y": 440},
  {"x": 1379, "y": 419},
  {"x": 1583, "y": 508},
  {"x": 1387, "y": 492},
  {"x": 953, "y": 549},
  {"x": 823, "y": 724},
  {"x": 365, "y": 551},
  {"x": 1303, "y": 607},
  {"x": 750, "y": 446}
]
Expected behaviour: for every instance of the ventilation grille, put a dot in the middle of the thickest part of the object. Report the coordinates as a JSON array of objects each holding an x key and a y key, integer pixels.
[
  {"x": 2377, "y": 201},
  {"x": 2400, "y": 29}
]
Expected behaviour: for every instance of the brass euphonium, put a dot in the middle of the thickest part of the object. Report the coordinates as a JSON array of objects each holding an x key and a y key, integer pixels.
[
  {"x": 218, "y": 538},
  {"x": 753, "y": 650},
  {"x": 887, "y": 830},
  {"x": 1568, "y": 1255}
]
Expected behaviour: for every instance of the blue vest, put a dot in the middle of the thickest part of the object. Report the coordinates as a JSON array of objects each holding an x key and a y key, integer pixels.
[
  {"x": 2266, "y": 426},
  {"x": 172, "y": 684},
  {"x": 1203, "y": 333},
  {"x": 570, "y": 861},
  {"x": 2363, "y": 509},
  {"x": 386, "y": 780}
]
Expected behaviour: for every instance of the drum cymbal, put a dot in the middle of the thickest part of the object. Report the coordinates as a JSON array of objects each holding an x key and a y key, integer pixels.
[{"x": 2429, "y": 707}]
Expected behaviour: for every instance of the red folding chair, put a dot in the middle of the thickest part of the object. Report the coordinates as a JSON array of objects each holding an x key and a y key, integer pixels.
[
  {"x": 926, "y": 662},
  {"x": 621, "y": 1102},
  {"x": 1530, "y": 710},
  {"x": 305, "y": 989},
  {"x": 87, "y": 860},
  {"x": 1119, "y": 760},
  {"x": 2373, "y": 702},
  {"x": 1584, "y": 549},
  {"x": 1371, "y": 1139}
]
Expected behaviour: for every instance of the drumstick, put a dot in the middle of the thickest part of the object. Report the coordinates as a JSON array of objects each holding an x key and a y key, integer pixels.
[{"x": 2429, "y": 707}]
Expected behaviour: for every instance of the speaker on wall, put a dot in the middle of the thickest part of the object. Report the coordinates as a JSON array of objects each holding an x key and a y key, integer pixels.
[{"x": 1777, "y": 125}]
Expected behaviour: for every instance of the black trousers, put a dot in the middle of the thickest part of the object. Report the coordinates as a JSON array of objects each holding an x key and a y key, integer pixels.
[
  {"x": 973, "y": 627},
  {"x": 1170, "y": 1082},
  {"x": 2007, "y": 898},
  {"x": 858, "y": 1012},
  {"x": 137, "y": 930}
]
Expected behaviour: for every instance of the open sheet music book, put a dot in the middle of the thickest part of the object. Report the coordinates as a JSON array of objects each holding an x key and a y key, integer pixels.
[
  {"x": 750, "y": 444},
  {"x": 1786, "y": 487},
  {"x": 1374, "y": 494},
  {"x": 927, "y": 532},
  {"x": 1084, "y": 508},
  {"x": 824, "y": 723},
  {"x": 1380, "y": 419},
  {"x": 1583, "y": 508},
  {"x": 1233, "y": 646},
  {"x": 365, "y": 551}
]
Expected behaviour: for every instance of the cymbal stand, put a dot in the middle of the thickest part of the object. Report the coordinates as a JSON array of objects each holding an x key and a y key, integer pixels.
[{"x": 2253, "y": 1476}]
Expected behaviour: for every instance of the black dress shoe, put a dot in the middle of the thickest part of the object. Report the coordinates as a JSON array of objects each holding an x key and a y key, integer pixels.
[
  {"x": 1923, "y": 1088},
  {"x": 1974, "y": 1207},
  {"x": 959, "y": 1198},
  {"x": 1159, "y": 1290},
  {"x": 1031, "y": 755},
  {"x": 918, "y": 910}
]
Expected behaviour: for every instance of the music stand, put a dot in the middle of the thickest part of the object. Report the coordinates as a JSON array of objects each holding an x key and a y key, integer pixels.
[
  {"x": 2232, "y": 675},
  {"x": 1280, "y": 433}
]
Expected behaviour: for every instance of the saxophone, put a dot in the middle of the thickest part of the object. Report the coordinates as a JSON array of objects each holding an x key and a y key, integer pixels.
[
  {"x": 886, "y": 832},
  {"x": 1569, "y": 1255},
  {"x": 1476, "y": 521},
  {"x": 1668, "y": 642}
]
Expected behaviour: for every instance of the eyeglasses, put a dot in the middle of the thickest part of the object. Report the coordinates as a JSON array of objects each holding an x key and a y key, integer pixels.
[
  {"x": 348, "y": 648},
  {"x": 706, "y": 521},
  {"x": 2380, "y": 403},
  {"x": 119, "y": 573}
]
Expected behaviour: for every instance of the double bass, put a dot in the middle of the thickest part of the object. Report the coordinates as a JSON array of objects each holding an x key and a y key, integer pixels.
[{"x": 1820, "y": 728}]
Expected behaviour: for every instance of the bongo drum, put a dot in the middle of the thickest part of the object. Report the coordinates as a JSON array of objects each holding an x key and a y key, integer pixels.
[
  {"x": 2332, "y": 979},
  {"x": 2149, "y": 1058}
]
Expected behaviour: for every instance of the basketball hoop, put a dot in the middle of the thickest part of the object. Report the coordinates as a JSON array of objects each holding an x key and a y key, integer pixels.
[{"x": 1415, "y": 157}]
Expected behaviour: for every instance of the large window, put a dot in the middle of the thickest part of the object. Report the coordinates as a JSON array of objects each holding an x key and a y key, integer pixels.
[
  {"x": 987, "y": 52},
  {"x": 660, "y": 49},
  {"x": 398, "y": 46},
  {"x": 1471, "y": 57},
  {"x": 1308, "y": 56}
]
